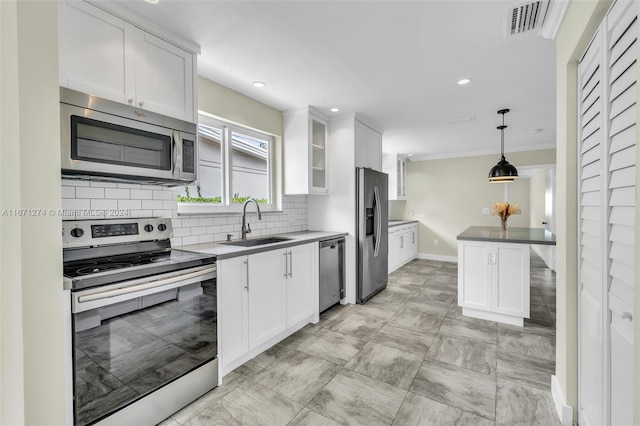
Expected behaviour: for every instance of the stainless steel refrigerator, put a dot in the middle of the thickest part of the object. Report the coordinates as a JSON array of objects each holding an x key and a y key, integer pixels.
[{"x": 372, "y": 238}]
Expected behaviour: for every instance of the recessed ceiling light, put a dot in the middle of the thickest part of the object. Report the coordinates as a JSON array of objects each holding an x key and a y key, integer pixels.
[
  {"x": 536, "y": 131},
  {"x": 464, "y": 81},
  {"x": 152, "y": 1},
  {"x": 335, "y": 110},
  {"x": 259, "y": 84},
  {"x": 409, "y": 155}
]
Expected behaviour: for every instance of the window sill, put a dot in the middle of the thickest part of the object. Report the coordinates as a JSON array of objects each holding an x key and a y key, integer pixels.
[{"x": 214, "y": 209}]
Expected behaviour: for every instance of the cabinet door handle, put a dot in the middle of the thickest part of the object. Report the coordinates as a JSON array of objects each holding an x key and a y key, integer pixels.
[
  {"x": 130, "y": 100},
  {"x": 627, "y": 316},
  {"x": 286, "y": 264},
  {"x": 414, "y": 238},
  {"x": 140, "y": 104},
  {"x": 402, "y": 241},
  {"x": 246, "y": 264},
  {"x": 290, "y": 264}
]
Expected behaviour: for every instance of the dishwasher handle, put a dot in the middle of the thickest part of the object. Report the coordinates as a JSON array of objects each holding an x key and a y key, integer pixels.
[{"x": 331, "y": 244}]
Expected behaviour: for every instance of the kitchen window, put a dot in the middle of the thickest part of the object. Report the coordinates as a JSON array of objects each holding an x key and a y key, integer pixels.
[{"x": 234, "y": 164}]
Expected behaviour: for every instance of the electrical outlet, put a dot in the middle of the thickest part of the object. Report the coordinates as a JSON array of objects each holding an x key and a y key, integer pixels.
[
  {"x": 435, "y": 242},
  {"x": 485, "y": 210}
]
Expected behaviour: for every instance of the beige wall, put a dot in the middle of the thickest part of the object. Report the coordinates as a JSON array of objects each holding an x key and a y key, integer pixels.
[
  {"x": 447, "y": 196},
  {"x": 31, "y": 301},
  {"x": 536, "y": 198},
  {"x": 233, "y": 106}
]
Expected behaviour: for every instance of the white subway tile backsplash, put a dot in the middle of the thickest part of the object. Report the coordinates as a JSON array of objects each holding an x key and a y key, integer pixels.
[
  {"x": 170, "y": 204},
  {"x": 205, "y": 221},
  {"x": 181, "y": 232},
  {"x": 188, "y": 223},
  {"x": 98, "y": 204},
  {"x": 190, "y": 240},
  {"x": 199, "y": 230},
  {"x": 151, "y": 200},
  {"x": 129, "y": 185},
  {"x": 163, "y": 195},
  {"x": 205, "y": 238},
  {"x": 141, "y": 194},
  {"x": 103, "y": 184},
  {"x": 162, "y": 213},
  {"x": 76, "y": 204},
  {"x": 220, "y": 220},
  {"x": 68, "y": 191},
  {"x": 215, "y": 229},
  {"x": 72, "y": 182},
  {"x": 140, "y": 213},
  {"x": 89, "y": 192},
  {"x": 129, "y": 204},
  {"x": 152, "y": 204},
  {"x": 118, "y": 193}
]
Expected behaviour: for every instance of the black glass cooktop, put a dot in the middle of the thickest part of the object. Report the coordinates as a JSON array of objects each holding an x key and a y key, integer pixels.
[{"x": 106, "y": 270}]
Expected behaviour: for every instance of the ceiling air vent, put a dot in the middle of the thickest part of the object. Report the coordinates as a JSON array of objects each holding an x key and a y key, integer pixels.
[{"x": 526, "y": 17}]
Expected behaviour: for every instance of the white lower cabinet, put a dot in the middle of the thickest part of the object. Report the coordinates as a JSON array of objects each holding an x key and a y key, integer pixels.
[
  {"x": 263, "y": 298},
  {"x": 403, "y": 245},
  {"x": 266, "y": 294},
  {"x": 493, "y": 281},
  {"x": 302, "y": 265}
]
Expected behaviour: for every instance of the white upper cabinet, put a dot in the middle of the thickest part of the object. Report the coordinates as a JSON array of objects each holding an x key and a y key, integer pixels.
[
  {"x": 93, "y": 51},
  {"x": 396, "y": 168},
  {"x": 106, "y": 56},
  {"x": 306, "y": 152},
  {"x": 368, "y": 147},
  {"x": 164, "y": 77}
]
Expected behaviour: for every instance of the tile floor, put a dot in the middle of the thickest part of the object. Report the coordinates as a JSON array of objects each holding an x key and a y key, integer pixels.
[{"x": 407, "y": 357}]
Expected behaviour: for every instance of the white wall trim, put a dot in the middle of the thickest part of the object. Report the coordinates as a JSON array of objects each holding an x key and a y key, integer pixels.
[
  {"x": 565, "y": 412},
  {"x": 429, "y": 256}
]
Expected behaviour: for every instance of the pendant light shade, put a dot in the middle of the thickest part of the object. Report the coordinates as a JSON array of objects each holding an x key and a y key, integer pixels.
[{"x": 503, "y": 172}]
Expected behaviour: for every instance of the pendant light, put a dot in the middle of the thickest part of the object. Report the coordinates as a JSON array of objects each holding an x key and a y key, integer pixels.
[{"x": 503, "y": 172}]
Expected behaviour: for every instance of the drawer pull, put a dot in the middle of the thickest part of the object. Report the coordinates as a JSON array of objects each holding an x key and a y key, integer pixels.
[{"x": 627, "y": 316}]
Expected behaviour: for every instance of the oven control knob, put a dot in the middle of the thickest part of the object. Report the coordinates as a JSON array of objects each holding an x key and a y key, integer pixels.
[
  {"x": 162, "y": 227},
  {"x": 148, "y": 228},
  {"x": 77, "y": 232}
]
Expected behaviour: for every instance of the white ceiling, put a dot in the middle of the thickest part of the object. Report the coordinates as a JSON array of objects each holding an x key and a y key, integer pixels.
[{"x": 396, "y": 63}]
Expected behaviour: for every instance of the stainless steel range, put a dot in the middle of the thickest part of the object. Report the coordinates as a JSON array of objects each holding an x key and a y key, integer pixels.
[{"x": 144, "y": 320}]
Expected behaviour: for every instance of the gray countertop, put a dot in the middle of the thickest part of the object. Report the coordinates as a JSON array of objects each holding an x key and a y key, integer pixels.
[
  {"x": 393, "y": 223},
  {"x": 513, "y": 235},
  {"x": 225, "y": 251}
]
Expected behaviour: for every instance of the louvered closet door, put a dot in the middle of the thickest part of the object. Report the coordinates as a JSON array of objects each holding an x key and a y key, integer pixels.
[
  {"x": 607, "y": 176},
  {"x": 622, "y": 73},
  {"x": 592, "y": 289}
]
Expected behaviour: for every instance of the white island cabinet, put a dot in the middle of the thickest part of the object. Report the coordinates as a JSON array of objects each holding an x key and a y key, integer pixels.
[
  {"x": 494, "y": 272},
  {"x": 263, "y": 298}
]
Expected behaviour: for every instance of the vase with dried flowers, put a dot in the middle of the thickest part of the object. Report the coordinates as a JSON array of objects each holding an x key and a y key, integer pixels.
[{"x": 503, "y": 210}]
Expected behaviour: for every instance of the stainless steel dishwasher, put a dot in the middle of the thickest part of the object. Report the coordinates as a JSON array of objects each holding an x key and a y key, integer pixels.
[{"x": 331, "y": 272}]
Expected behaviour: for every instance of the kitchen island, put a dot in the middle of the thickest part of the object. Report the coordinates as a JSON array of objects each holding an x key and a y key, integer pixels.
[{"x": 494, "y": 272}]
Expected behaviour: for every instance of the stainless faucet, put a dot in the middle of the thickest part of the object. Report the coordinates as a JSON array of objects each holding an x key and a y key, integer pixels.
[{"x": 246, "y": 228}]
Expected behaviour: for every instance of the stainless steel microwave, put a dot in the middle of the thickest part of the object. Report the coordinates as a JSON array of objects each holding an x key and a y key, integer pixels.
[{"x": 106, "y": 140}]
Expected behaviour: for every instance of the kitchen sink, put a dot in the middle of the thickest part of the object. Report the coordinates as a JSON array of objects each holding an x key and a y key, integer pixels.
[{"x": 256, "y": 241}]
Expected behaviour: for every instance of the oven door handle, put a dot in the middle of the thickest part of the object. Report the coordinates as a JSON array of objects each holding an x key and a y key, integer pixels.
[{"x": 144, "y": 286}]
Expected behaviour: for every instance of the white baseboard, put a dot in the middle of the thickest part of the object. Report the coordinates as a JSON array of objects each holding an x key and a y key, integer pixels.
[
  {"x": 565, "y": 412},
  {"x": 429, "y": 256}
]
